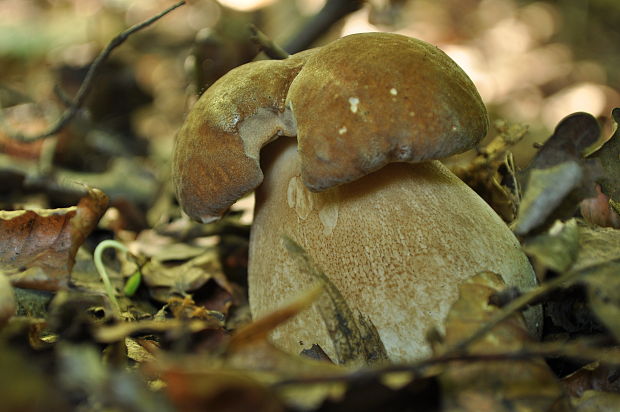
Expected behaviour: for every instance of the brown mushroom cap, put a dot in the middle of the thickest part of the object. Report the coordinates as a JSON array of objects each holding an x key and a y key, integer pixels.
[
  {"x": 215, "y": 158},
  {"x": 356, "y": 105},
  {"x": 370, "y": 99}
]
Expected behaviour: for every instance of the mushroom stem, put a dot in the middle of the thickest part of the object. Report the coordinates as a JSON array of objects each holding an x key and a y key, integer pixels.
[{"x": 396, "y": 243}]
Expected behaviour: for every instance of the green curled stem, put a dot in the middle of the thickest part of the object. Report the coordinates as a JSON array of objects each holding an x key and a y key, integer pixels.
[{"x": 116, "y": 308}]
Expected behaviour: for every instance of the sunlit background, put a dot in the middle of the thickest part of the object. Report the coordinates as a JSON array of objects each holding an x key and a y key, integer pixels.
[{"x": 533, "y": 62}]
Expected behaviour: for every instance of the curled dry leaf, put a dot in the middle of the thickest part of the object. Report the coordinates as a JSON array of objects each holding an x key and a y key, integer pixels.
[
  {"x": 596, "y": 401},
  {"x": 492, "y": 172},
  {"x": 609, "y": 156},
  {"x": 249, "y": 367},
  {"x": 559, "y": 176},
  {"x": 556, "y": 249},
  {"x": 218, "y": 390},
  {"x": 38, "y": 247},
  {"x": 505, "y": 385},
  {"x": 594, "y": 376},
  {"x": 591, "y": 256},
  {"x": 167, "y": 281},
  {"x": 600, "y": 210},
  {"x": 546, "y": 191}
]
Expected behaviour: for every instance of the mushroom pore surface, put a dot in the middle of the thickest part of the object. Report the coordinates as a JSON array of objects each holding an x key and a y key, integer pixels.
[{"x": 395, "y": 243}]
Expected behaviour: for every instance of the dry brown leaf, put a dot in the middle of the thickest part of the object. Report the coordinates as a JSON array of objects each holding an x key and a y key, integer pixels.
[
  {"x": 595, "y": 401},
  {"x": 38, "y": 247},
  {"x": 507, "y": 385},
  {"x": 559, "y": 177},
  {"x": 167, "y": 281},
  {"x": 259, "y": 329},
  {"x": 218, "y": 390},
  {"x": 492, "y": 173},
  {"x": 594, "y": 376}
]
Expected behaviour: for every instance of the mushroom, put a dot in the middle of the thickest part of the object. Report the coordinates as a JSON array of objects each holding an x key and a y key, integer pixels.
[{"x": 392, "y": 229}]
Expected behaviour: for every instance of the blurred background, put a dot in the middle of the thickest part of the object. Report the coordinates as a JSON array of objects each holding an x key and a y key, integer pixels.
[{"x": 534, "y": 62}]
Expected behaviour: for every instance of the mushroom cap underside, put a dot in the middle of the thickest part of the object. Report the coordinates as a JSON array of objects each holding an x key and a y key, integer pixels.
[{"x": 355, "y": 105}]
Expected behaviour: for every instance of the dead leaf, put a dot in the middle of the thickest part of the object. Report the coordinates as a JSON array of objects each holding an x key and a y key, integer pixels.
[
  {"x": 218, "y": 391},
  {"x": 496, "y": 386},
  {"x": 592, "y": 253},
  {"x": 168, "y": 280},
  {"x": 596, "y": 401},
  {"x": 598, "y": 246},
  {"x": 492, "y": 172},
  {"x": 172, "y": 327},
  {"x": 609, "y": 156},
  {"x": 571, "y": 137},
  {"x": 559, "y": 177},
  {"x": 595, "y": 375},
  {"x": 38, "y": 247},
  {"x": 260, "y": 328},
  {"x": 556, "y": 249},
  {"x": 604, "y": 296},
  {"x": 600, "y": 210},
  {"x": 546, "y": 190}
]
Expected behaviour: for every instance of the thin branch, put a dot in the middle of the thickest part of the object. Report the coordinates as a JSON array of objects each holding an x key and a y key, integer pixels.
[
  {"x": 581, "y": 350},
  {"x": 532, "y": 297},
  {"x": 332, "y": 12},
  {"x": 87, "y": 83},
  {"x": 516, "y": 305},
  {"x": 271, "y": 49}
]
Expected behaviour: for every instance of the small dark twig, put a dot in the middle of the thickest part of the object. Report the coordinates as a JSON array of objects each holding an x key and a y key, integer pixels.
[
  {"x": 332, "y": 12},
  {"x": 584, "y": 350},
  {"x": 87, "y": 83},
  {"x": 516, "y": 305},
  {"x": 271, "y": 49}
]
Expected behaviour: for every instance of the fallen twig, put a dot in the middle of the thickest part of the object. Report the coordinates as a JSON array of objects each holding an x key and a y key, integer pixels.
[
  {"x": 271, "y": 49},
  {"x": 87, "y": 84},
  {"x": 581, "y": 350}
]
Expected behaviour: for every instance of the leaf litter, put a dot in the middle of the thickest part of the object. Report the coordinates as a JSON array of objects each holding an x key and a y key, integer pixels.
[{"x": 190, "y": 344}]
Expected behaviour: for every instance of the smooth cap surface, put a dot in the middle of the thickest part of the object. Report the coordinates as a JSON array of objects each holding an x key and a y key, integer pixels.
[
  {"x": 355, "y": 105},
  {"x": 370, "y": 99}
]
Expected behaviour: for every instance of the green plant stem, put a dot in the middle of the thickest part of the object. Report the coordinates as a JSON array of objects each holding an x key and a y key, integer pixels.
[{"x": 116, "y": 309}]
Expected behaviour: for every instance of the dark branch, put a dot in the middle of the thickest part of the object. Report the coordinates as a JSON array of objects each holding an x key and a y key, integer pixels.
[
  {"x": 271, "y": 49},
  {"x": 332, "y": 12},
  {"x": 584, "y": 350},
  {"x": 87, "y": 84}
]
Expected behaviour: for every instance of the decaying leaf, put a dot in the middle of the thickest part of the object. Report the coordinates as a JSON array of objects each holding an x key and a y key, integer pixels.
[
  {"x": 596, "y": 401},
  {"x": 571, "y": 137},
  {"x": 505, "y": 385},
  {"x": 39, "y": 246},
  {"x": 174, "y": 327},
  {"x": 253, "y": 364},
  {"x": 260, "y": 328},
  {"x": 597, "y": 247},
  {"x": 609, "y": 156},
  {"x": 218, "y": 390},
  {"x": 593, "y": 376},
  {"x": 600, "y": 210},
  {"x": 559, "y": 176},
  {"x": 167, "y": 280},
  {"x": 556, "y": 249},
  {"x": 590, "y": 255},
  {"x": 546, "y": 190},
  {"x": 600, "y": 253},
  {"x": 492, "y": 172}
]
